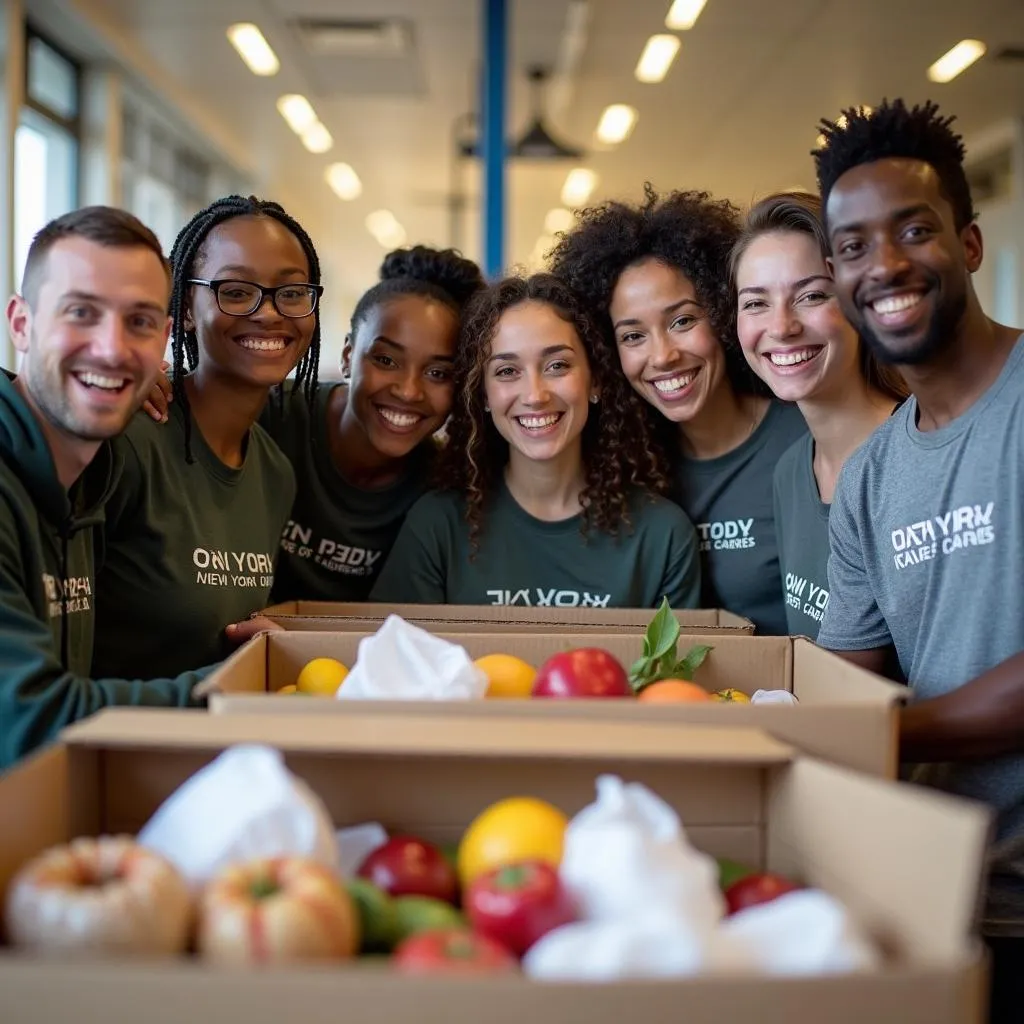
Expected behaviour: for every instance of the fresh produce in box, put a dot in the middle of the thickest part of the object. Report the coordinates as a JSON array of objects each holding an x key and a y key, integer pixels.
[
  {"x": 507, "y": 675},
  {"x": 583, "y": 672},
  {"x": 754, "y": 889},
  {"x": 321, "y": 677},
  {"x": 452, "y": 951},
  {"x": 106, "y": 896},
  {"x": 421, "y": 913},
  {"x": 406, "y": 866},
  {"x": 518, "y": 904},
  {"x": 660, "y": 660},
  {"x": 277, "y": 910},
  {"x": 378, "y": 916}
]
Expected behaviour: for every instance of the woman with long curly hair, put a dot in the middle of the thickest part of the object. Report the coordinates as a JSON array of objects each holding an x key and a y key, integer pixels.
[
  {"x": 549, "y": 482},
  {"x": 657, "y": 276},
  {"x": 796, "y": 339}
]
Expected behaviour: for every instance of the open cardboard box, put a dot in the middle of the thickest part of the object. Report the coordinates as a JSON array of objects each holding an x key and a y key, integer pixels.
[
  {"x": 905, "y": 861},
  {"x": 455, "y": 618},
  {"x": 845, "y": 715}
]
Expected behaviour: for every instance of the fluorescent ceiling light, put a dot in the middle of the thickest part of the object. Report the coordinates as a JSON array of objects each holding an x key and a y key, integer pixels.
[
  {"x": 248, "y": 40},
  {"x": 296, "y": 110},
  {"x": 344, "y": 181},
  {"x": 317, "y": 139},
  {"x": 657, "y": 58},
  {"x": 558, "y": 219},
  {"x": 616, "y": 123},
  {"x": 578, "y": 185},
  {"x": 683, "y": 14},
  {"x": 384, "y": 226},
  {"x": 960, "y": 58}
]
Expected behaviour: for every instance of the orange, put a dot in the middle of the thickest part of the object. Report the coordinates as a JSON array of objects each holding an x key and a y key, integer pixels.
[
  {"x": 731, "y": 695},
  {"x": 512, "y": 830},
  {"x": 673, "y": 691},
  {"x": 507, "y": 675},
  {"x": 290, "y": 688},
  {"x": 321, "y": 676}
]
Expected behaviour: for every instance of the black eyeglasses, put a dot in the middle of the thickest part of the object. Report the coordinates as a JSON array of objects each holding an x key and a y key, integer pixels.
[{"x": 243, "y": 298}]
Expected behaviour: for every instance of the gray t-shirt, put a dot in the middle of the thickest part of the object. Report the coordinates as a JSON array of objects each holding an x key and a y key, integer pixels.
[
  {"x": 801, "y": 529},
  {"x": 729, "y": 499},
  {"x": 927, "y": 545}
]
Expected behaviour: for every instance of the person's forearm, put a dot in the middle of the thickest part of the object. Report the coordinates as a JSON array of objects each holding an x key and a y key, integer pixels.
[{"x": 983, "y": 718}]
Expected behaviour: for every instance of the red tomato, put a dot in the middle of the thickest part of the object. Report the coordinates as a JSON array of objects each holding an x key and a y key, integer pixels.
[
  {"x": 584, "y": 672},
  {"x": 405, "y": 866},
  {"x": 452, "y": 951},
  {"x": 755, "y": 889},
  {"x": 519, "y": 903}
]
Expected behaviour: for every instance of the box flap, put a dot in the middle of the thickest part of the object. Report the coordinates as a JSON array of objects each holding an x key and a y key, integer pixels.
[
  {"x": 829, "y": 677},
  {"x": 447, "y": 736}
]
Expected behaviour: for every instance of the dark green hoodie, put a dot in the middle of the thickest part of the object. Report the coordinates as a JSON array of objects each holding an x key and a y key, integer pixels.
[{"x": 47, "y": 572}]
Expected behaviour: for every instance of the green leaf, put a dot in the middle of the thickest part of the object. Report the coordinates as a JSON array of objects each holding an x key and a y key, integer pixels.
[
  {"x": 639, "y": 670},
  {"x": 692, "y": 660},
  {"x": 662, "y": 633}
]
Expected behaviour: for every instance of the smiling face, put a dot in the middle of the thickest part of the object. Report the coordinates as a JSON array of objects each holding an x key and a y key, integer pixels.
[
  {"x": 538, "y": 382},
  {"x": 902, "y": 268},
  {"x": 668, "y": 349},
  {"x": 400, "y": 366},
  {"x": 93, "y": 337},
  {"x": 260, "y": 349},
  {"x": 791, "y": 328}
]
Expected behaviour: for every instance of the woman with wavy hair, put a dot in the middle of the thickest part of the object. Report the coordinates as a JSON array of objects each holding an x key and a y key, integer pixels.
[
  {"x": 548, "y": 479},
  {"x": 657, "y": 276}
]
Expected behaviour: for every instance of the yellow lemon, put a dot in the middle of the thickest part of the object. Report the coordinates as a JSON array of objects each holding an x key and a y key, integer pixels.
[
  {"x": 507, "y": 675},
  {"x": 513, "y": 830},
  {"x": 321, "y": 676},
  {"x": 731, "y": 696}
]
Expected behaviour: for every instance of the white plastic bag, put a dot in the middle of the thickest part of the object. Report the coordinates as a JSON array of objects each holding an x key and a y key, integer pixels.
[
  {"x": 403, "y": 662},
  {"x": 244, "y": 805},
  {"x": 773, "y": 697}
]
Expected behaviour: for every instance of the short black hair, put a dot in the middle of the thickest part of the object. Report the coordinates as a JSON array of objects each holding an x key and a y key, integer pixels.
[
  {"x": 689, "y": 231},
  {"x": 893, "y": 130},
  {"x": 187, "y": 250},
  {"x": 103, "y": 225},
  {"x": 441, "y": 274}
]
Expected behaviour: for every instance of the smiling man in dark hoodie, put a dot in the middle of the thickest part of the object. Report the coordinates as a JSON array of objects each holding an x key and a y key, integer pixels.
[{"x": 91, "y": 326}]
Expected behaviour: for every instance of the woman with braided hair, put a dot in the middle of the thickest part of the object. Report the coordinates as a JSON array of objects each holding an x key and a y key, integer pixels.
[{"x": 194, "y": 525}]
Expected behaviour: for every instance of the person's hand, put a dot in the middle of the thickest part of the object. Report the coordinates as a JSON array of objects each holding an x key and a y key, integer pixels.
[
  {"x": 239, "y": 632},
  {"x": 160, "y": 396}
]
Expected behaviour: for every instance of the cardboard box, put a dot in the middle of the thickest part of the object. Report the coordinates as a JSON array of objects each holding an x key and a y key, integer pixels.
[
  {"x": 907, "y": 862},
  {"x": 318, "y": 616},
  {"x": 845, "y": 715}
]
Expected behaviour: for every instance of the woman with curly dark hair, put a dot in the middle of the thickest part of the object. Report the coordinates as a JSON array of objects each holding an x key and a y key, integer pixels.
[
  {"x": 549, "y": 478},
  {"x": 657, "y": 275}
]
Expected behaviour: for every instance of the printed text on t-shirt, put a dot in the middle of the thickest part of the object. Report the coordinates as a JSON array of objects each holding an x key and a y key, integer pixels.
[
  {"x": 233, "y": 568},
  {"x": 805, "y": 596},
  {"x": 332, "y": 555},
  {"x": 537, "y": 598},
  {"x": 726, "y": 535},
  {"x": 67, "y": 596},
  {"x": 959, "y": 529}
]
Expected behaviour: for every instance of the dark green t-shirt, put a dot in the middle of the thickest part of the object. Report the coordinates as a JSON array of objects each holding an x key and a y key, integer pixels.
[
  {"x": 527, "y": 561},
  {"x": 801, "y": 528},
  {"x": 729, "y": 499},
  {"x": 338, "y": 535},
  {"x": 189, "y": 548}
]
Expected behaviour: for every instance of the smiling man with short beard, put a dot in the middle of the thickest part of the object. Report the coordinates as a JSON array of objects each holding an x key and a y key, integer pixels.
[{"x": 927, "y": 525}]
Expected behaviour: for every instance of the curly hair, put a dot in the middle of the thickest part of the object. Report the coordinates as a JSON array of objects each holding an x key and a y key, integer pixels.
[
  {"x": 892, "y": 130},
  {"x": 441, "y": 274},
  {"x": 797, "y": 212},
  {"x": 617, "y": 449}
]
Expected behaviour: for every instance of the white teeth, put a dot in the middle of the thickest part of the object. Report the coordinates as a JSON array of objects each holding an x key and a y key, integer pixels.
[
  {"x": 399, "y": 419},
  {"x": 793, "y": 358},
  {"x": 96, "y": 380},
  {"x": 537, "y": 422},
  {"x": 895, "y": 303},
  {"x": 263, "y": 344},
  {"x": 675, "y": 383}
]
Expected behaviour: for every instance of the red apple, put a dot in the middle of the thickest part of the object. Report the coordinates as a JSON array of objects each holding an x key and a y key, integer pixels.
[
  {"x": 755, "y": 889},
  {"x": 406, "y": 866},
  {"x": 451, "y": 951},
  {"x": 584, "y": 672},
  {"x": 518, "y": 904}
]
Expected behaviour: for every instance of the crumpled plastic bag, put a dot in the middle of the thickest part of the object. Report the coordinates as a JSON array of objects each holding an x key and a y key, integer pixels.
[
  {"x": 244, "y": 805},
  {"x": 773, "y": 697},
  {"x": 404, "y": 662}
]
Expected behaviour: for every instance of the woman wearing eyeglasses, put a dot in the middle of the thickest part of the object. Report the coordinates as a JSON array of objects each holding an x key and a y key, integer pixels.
[{"x": 194, "y": 525}]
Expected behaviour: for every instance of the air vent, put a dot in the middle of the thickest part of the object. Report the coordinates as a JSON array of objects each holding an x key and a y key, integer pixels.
[{"x": 334, "y": 37}]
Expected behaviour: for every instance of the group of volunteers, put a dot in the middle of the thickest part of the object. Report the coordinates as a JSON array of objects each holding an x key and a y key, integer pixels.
[{"x": 799, "y": 413}]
